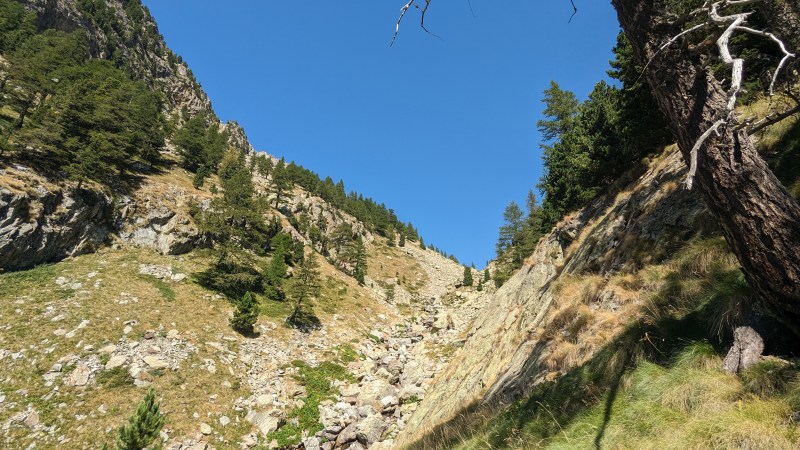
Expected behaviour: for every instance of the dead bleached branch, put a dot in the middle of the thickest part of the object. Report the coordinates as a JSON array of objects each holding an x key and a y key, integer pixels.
[{"x": 730, "y": 24}]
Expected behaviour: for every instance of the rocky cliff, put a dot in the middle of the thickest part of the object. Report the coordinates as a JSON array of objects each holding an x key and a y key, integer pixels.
[
  {"x": 41, "y": 222},
  {"x": 126, "y": 33},
  {"x": 510, "y": 347}
]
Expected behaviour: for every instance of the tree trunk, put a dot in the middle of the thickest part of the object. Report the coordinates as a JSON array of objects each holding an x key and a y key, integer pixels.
[{"x": 758, "y": 217}]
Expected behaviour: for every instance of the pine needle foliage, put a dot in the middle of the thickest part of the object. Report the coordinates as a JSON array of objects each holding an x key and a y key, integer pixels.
[
  {"x": 246, "y": 314},
  {"x": 143, "y": 427},
  {"x": 467, "y": 276}
]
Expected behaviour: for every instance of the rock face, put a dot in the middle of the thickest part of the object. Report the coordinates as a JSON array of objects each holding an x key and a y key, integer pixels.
[
  {"x": 502, "y": 359},
  {"x": 159, "y": 221},
  {"x": 41, "y": 223},
  {"x": 147, "y": 56}
]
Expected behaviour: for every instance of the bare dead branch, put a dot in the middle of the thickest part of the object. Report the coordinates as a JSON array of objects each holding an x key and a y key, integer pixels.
[
  {"x": 730, "y": 24},
  {"x": 422, "y": 18},
  {"x": 786, "y": 54},
  {"x": 772, "y": 119},
  {"x": 574, "y": 10},
  {"x": 693, "y": 154},
  {"x": 403, "y": 11}
]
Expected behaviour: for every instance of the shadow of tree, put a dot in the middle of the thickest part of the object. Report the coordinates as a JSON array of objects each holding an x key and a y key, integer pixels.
[
  {"x": 683, "y": 311},
  {"x": 305, "y": 321}
]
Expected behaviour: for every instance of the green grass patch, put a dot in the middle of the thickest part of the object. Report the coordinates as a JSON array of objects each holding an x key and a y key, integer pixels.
[
  {"x": 163, "y": 287},
  {"x": 114, "y": 378},
  {"x": 317, "y": 381},
  {"x": 16, "y": 283},
  {"x": 659, "y": 384},
  {"x": 274, "y": 309},
  {"x": 786, "y": 165},
  {"x": 347, "y": 353}
]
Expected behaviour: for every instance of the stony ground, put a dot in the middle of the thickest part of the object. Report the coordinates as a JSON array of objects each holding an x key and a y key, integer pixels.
[{"x": 81, "y": 342}]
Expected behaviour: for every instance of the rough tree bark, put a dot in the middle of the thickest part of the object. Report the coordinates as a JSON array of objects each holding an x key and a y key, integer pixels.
[{"x": 758, "y": 217}]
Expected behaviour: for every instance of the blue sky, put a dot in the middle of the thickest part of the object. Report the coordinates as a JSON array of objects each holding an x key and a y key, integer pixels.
[{"x": 441, "y": 130}]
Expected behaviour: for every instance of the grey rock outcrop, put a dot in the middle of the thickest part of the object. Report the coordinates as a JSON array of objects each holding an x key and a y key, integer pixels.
[
  {"x": 41, "y": 223},
  {"x": 502, "y": 359}
]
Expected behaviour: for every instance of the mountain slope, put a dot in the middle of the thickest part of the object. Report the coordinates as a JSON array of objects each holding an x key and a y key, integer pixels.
[{"x": 116, "y": 310}]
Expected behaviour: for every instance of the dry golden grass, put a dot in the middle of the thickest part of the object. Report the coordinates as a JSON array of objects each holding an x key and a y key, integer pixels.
[
  {"x": 184, "y": 392},
  {"x": 29, "y": 300},
  {"x": 767, "y": 138},
  {"x": 384, "y": 262}
]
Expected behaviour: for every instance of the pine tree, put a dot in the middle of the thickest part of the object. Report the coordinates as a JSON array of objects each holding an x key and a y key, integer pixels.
[
  {"x": 281, "y": 183},
  {"x": 143, "y": 427},
  {"x": 391, "y": 237},
  {"x": 480, "y": 286},
  {"x": 422, "y": 243},
  {"x": 402, "y": 240},
  {"x": 246, "y": 314},
  {"x": 17, "y": 26},
  {"x": 467, "y": 276},
  {"x": 486, "y": 275},
  {"x": 341, "y": 235},
  {"x": 511, "y": 230},
  {"x": 305, "y": 286},
  {"x": 355, "y": 254}
]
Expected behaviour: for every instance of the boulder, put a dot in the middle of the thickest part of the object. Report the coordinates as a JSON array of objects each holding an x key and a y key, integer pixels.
[
  {"x": 205, "y": 428},
  {"x": 374, "y": 391},
  {"x": 265, "y": 421},
  {"x": 745, "y": 351},
  {"x": 370, "y": 430},
  {"x": 79, "y": 376},
  {"x": 311, "y": 443},
  {"x": 348, "y": 435},
  {"x": 116, "y": 361},
  {"x": 155, "y": 362},
  {"x": 43, "y": 223}
]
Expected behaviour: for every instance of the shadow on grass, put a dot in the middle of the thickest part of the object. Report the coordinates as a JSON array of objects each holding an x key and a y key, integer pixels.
[
  {"x": 124, "y": 183},
  {"x": 249, "y": 334},
  {"x": 304, "y": 321},
  {"x": 701, "y": 300}
]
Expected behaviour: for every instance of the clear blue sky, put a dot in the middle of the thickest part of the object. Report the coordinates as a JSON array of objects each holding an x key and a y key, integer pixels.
[{"x": 441, "y": 130}]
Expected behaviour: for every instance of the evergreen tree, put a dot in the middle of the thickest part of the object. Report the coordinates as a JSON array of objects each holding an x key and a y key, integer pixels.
[
  {"x": 96, "y": 124},
  {"x": 143, "y": 427},
  {"x": 263, "y": 165},
  {"x": 16, "y": 26},
  {"x": 274, "y": 274},
  {"x": 391, "y": 237},
  {"x": 232, "y": 274},
  {"x": 38, "y": 67},
  {"x": 245, "y": 315},
  {"x": 355, "y": 254},
  {"x": 341, "y": 235},
  {"x": 511, "y": 230},
  {"x": 281, "y": 182},
  {"x": 402, "y": 240},
  {"x": 486, "y": 275},
  {"x": 304, "y": 287},
  {"x": 479, "y": 288},
  {"x": 467, "y": 276},
  {"x": 422, "y": 243},
  {"x": 200, "y": 145}
]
